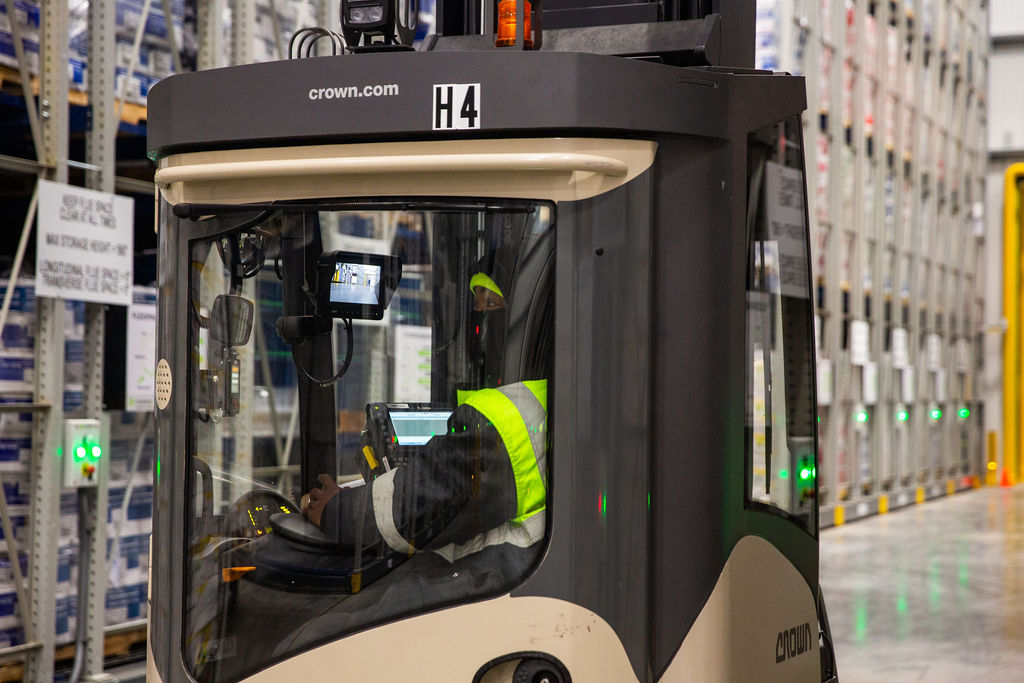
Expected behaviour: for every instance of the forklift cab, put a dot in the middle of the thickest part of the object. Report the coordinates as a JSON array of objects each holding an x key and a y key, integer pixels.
[
  {"x": 338, "y": 274},
  {"x": 360, "y": 360}
]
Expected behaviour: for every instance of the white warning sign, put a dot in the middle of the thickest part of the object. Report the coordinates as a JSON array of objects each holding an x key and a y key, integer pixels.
[
  {"x": 784, "y": 205},
  {"x": 84, "y": 245},
  {"x": 140, "y": 364}
]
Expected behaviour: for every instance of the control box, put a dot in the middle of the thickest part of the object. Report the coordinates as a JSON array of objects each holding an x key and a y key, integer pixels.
[{"x": 83, "y": 453}]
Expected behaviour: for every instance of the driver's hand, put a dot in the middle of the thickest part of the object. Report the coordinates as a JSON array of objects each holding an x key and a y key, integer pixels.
[{"x": 312, "y": 504}]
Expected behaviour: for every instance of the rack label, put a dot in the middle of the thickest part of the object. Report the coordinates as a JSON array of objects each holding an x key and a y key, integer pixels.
[
  {"x": 860, "y": 342},
  {"x": 824, "y": 367},
  {"x": 869, "y": 383},
  {"x": 84, "y": 247},
  {"x": 908, "y": 385},
  {"x": 900, "y": 349},
  {"x": 456, "y": 106},
  {"x": 933, "y": 348}
]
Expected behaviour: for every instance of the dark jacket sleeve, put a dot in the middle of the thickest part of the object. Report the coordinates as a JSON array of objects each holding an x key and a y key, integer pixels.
[{"x": 459, "y": 485}]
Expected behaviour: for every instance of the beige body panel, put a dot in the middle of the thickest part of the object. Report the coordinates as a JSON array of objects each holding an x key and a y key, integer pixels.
[
  {"x": 452, "y": 645},
  {"x": 753, "y": 618},
  {"x": 152, "y": 675},
  {"x": 557, "y": 169},
  {"x": 759, "y": 596}
]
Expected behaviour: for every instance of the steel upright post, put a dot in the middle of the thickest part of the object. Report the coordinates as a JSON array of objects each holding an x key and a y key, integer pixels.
[
  {"x": 833, "y": 321},
  {"x": 243, "y": 26},
  {"x": 208, "y": 29},
  {"x": 99, "y": 153},
  {"x": 328, "y": 14},
  {"x": 877, "y": 243},
  {"x": 46, "y": 446}
]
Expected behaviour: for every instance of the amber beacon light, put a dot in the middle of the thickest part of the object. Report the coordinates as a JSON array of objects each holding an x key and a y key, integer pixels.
[{"x": 507, "y": 24}]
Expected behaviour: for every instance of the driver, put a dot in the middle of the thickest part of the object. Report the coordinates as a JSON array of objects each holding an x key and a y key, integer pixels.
[{"x": 481, "y": 485}]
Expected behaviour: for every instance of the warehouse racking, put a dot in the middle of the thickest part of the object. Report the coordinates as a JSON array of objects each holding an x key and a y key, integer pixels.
[
  {"x": 53, "y": 350},
  {"x": 896, "y": 193},
  {"x": 897, "y": 91},
  {"x": 74, "y": 76}
]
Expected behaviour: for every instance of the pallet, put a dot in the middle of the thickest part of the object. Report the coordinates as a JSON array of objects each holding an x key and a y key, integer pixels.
[
  {"x": 116, "y": 646},
  {"x": 133, "y": 113},
  {"x": 11, "y": 672}
]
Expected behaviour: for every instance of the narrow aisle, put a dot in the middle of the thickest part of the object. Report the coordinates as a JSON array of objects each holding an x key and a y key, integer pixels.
[{"x": 932, "y": 593}]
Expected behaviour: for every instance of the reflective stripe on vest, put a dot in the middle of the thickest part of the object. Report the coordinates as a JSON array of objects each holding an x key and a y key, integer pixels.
[
  {"x": 383, "y": 498},
  {"x": 520, "y": 535},
  {"x": 519, "y": 412}
]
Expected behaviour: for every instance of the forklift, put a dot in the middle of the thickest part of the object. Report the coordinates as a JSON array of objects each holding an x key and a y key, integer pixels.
[{"x": 487, "y": 356}]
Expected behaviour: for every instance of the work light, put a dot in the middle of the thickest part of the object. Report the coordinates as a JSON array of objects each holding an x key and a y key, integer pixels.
[{"x": 375, "y": 23}]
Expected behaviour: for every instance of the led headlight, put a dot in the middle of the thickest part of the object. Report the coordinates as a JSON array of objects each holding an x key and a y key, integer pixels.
[
  {"x": 363, "y": 15},
  {"x": 379, "y": 22}
]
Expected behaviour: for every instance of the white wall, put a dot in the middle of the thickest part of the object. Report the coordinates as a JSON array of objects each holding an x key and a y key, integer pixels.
[
  {"x": 1006, "y": 139},
  {"x": 1006, "y": 98},
  {"x": 1006, "y": 17}
]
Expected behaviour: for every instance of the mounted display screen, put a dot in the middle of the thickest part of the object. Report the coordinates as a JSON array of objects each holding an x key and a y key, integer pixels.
[{"x": 356, "y": 286}]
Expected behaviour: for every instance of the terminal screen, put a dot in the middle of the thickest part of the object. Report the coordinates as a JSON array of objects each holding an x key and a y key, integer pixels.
[
  {"x": 355, "y": 283},
  {"x": 417, "y": 428}
]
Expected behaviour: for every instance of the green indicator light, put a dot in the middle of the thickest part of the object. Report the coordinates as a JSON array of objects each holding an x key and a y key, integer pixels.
[
  {"x": 814, "y": 471},
  {"x": 783, "y": 474},
  {"x": 936, "y": 413},
  {"x": 902, "y": 416},
  {"x": 80, "y": 452},
  {"x": 861, "y": 416},
  {"x": 860, "y": 629},
  {"x": 805, "y": 473},
  {"x": 97, "y": 451},
  {"x": 964, "y": 413}
]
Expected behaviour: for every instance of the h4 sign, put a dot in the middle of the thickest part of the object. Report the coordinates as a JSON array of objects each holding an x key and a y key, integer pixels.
[{"x": 456, "y": 106}]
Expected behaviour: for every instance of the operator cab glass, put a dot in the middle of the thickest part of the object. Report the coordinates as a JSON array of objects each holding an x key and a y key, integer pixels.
[
  {"x": 780, "y": 402},
  {"x": 339, "y": 342}
]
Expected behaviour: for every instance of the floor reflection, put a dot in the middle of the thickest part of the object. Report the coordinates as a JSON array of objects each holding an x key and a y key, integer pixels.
[{"x": 933, "y": 593}]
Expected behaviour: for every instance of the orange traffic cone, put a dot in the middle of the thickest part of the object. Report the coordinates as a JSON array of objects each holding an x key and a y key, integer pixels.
[{"x": 1006, "y": 480}]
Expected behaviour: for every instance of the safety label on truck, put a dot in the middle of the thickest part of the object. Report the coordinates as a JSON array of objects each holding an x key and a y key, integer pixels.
[{"x": 456, "y": 106}]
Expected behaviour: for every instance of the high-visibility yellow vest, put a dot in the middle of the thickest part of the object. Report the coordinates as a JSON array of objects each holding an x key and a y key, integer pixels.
[{"x": 519, "y": 412}]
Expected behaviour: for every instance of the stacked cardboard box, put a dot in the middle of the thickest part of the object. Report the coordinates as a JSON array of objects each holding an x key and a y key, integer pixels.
[
  {"x": 128, "y": 540},
  {"x": 154, "y": 62}
]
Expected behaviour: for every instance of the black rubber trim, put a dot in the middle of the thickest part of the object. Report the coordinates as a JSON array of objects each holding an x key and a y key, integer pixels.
[{"x": 554, "y": 661}]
